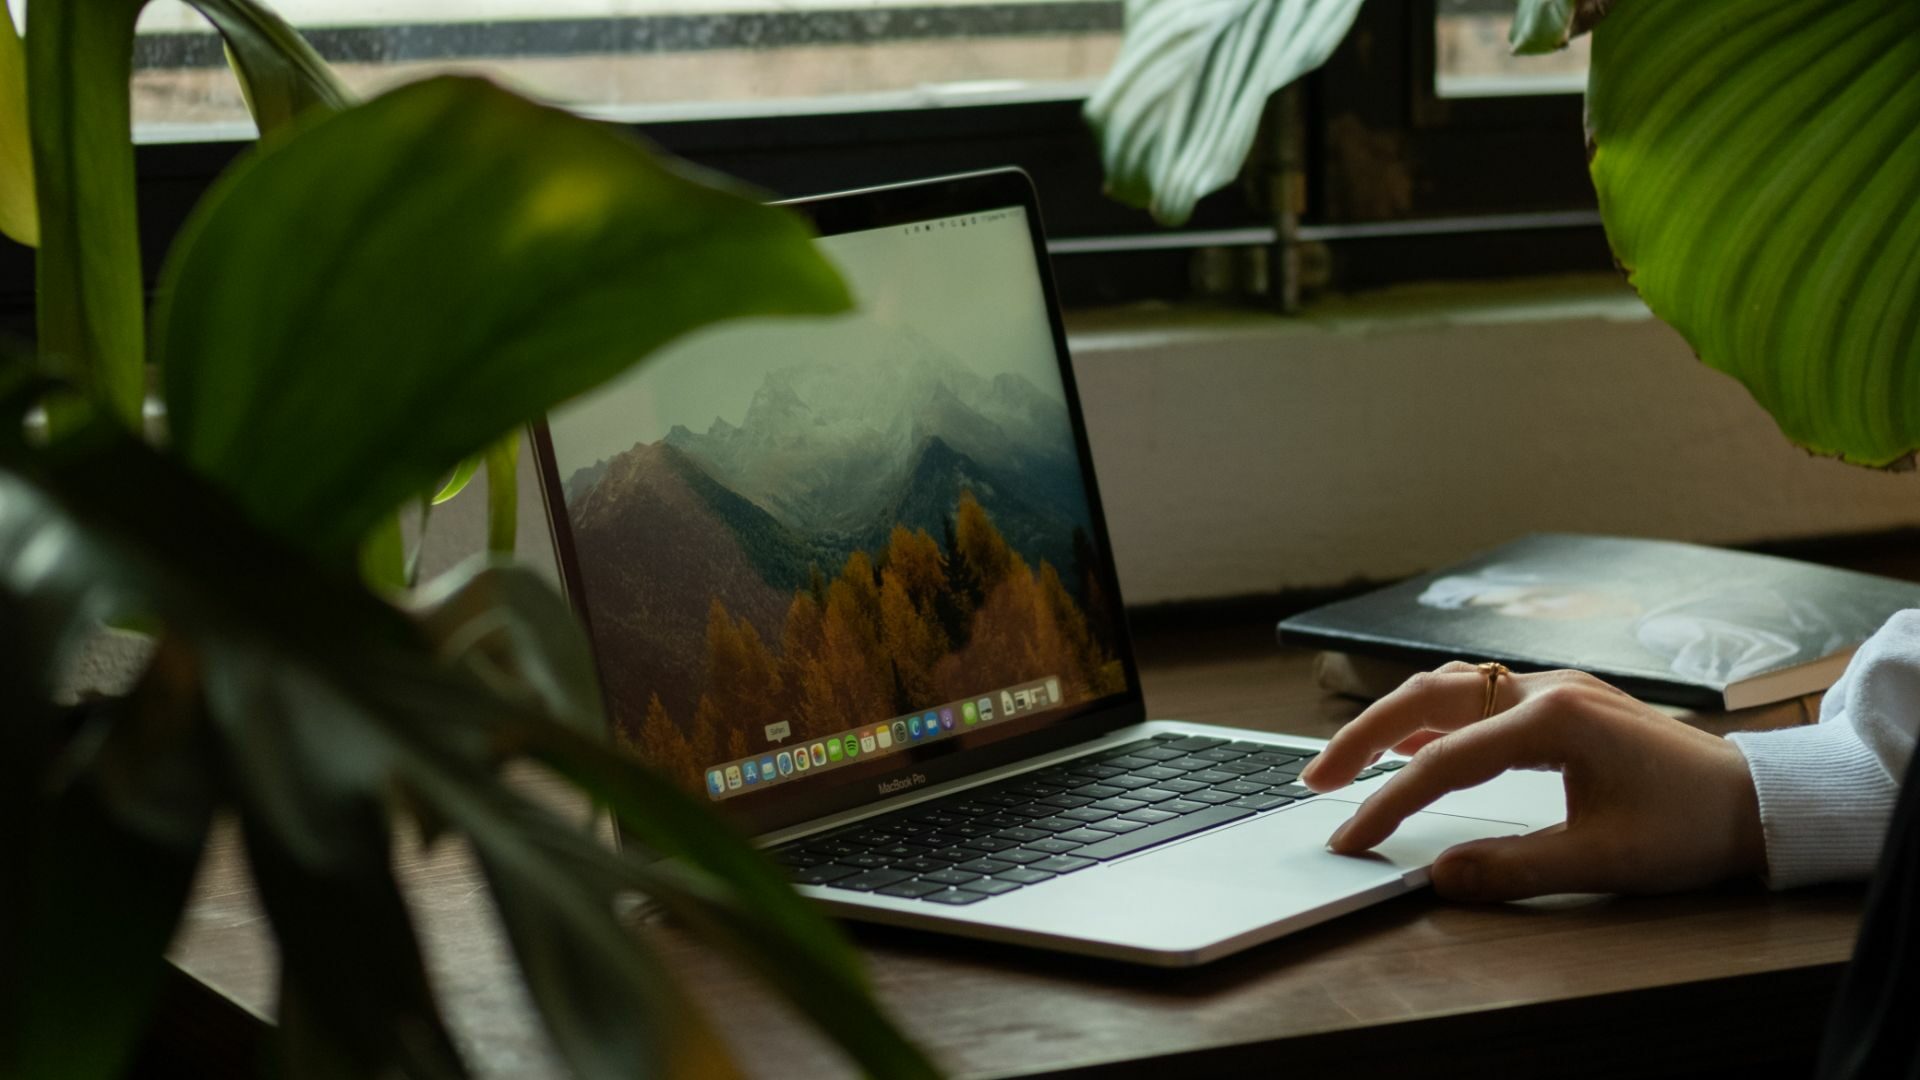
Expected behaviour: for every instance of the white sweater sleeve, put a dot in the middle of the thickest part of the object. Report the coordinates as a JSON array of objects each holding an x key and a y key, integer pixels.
[{"x": 1827, "y": 790}]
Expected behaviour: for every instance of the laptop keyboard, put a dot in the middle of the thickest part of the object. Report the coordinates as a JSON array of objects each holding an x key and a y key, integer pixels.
[{"x": 1023, "y": 832}]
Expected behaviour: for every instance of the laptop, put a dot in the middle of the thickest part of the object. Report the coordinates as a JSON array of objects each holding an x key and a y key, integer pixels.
[{"x": 847, "y": 578}]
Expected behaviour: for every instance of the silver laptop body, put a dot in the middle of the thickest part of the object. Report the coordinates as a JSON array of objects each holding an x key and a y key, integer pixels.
[{"x": 849, "y": 578}]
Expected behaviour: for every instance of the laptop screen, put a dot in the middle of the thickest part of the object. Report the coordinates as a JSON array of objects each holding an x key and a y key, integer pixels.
[{"x": 812, "y": 551}]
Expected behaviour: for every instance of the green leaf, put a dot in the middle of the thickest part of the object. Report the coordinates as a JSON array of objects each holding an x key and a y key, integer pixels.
[
  {"x": 98, "y": 875},
  {"x": 311, "y": 775},
  {"x": 1544, "y": 26},
  {"x": 503, "y": 493},
  {"x": 1757, "y": 165},
  {"x": 91, "y": 312},
  {"x": 1178, "y": 112},
  {"x": 279, "y": 72},
  {"x": 725, "y": 888},
  {"x": 507, "y": 626},
  {"x": 383, "y": 557},
  {"x": 61, "y": 586},
  {"x": 331, "y": 705},
  {"x": 18, "y": 217},
  {"x": 466, "y": 260},
  {"x": 457, "y": 483},
  {"x": 735, "y": 897},
  {"x": 1541, "y": 26},
  {"x": 583, "y": 968}
]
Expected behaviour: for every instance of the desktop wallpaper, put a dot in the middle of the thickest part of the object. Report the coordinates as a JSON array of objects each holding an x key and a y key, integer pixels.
[{"x": 828, "y": 523}]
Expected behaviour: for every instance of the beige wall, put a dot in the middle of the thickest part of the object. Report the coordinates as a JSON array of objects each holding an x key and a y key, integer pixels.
[{"x": 1243, "y": 456}]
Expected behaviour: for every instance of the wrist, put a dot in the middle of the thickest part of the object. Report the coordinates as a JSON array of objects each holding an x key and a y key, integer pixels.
[{"x": 1747, "y": 856}]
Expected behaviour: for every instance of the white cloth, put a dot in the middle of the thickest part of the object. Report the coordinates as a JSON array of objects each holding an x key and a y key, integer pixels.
[{"x": 1827, "y": 790}]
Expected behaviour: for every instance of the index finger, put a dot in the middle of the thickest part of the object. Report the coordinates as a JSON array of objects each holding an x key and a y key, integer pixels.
[
  {"x": 1517, "y": 739},
  {"x": 1445, "y": 699}
]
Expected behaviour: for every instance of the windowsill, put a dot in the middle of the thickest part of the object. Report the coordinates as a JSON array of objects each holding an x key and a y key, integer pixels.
[
  {"x": 1399, "y": 310},
  {"x": 1241, "y": 453}
]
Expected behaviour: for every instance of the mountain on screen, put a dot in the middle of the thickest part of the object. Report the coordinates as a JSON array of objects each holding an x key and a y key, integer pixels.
[
  {"x": 713, "y": 550},
  {"x": 826, "y": 448}
]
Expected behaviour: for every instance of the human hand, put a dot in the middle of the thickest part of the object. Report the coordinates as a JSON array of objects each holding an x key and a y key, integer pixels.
[{"x": 1652, "y": 804}]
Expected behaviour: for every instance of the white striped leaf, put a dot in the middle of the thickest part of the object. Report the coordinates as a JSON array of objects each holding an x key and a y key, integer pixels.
[{"x": 1178, "y": 112}]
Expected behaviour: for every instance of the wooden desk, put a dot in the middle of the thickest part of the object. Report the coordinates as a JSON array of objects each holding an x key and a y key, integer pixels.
[{"x": 1729, "y": 982}]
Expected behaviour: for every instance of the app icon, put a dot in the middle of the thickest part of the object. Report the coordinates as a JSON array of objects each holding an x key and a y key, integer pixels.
[
  {"x": 733, "y": 778},
  {"x": 868, "y": 743},
  {"x": 819, "y": 754},
  {"x": 801, "y": 762},
  {"x": 1006, "y": 702},
  {"x": 1053, "y": 691},
  {"x": 716, "y": 782},
  {"x": 751, "y": 771},
  {"x": 899, "y": 731},
  {"x": 834, "y": 753},
  {"x": 946, "y": 719},
  {"x": 931, "y": 722},
  {"x": 883, "y": 735},
  {"x": 986, "y": 708},
  {"x": 786, "y": 763},
  {"x": 766, "y": 767},
  {"x": 969, "y": 714},
  {"x": 852, "y": 743},
  {"x": 913, "y": 726}
]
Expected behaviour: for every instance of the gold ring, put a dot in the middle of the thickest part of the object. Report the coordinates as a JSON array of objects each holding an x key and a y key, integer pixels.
[{"x": 1492, "y": 671}]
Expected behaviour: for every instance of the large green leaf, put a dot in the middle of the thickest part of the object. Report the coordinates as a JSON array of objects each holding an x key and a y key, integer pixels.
[
  {"x": 612, "y": 1009},
  {"x": 312, "y": 778},
  {"x": 18, "y": 218},
  {"x": 1179, "y": 110},
  {"x": 733, "y": 896},
  {"x": 280, "y": 73},
  {"x": 101, "y": 822},
  {"x": 357, "y": 308},
  {"x": 91, "y": 308},
  {"x": 1758, "y": 165},
  {"x": 510, "y": 628},
  {"x": 107, "y": 862},
  {"x": 91, "y": 314},
  {"x": 330, "y": 705}
]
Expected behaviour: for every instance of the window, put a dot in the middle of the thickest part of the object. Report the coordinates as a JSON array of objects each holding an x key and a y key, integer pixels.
[
  {"x": 655, "y": 59},
  {"x": 1407, "y": 182},
  {"x": 1472, "y": 58},
  {"x": 1427, "y": 152}
]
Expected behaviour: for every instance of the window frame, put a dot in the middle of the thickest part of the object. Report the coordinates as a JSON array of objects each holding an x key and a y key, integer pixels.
[{"x": 1372, "y": 123}]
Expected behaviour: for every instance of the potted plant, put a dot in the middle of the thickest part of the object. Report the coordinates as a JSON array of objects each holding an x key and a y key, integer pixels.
[
  {"x": 375, "y": 294},
  {"x": 1755, "y": 165}
]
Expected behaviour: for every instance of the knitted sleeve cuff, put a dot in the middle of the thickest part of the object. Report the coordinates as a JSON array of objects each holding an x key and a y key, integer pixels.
[{"x": 1825, "y": 802}]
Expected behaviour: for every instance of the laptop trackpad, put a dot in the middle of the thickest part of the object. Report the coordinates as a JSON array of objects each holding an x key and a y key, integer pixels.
[
  {"x": 1278, "y": 850},
  {"x": 1273, "y": 869}
]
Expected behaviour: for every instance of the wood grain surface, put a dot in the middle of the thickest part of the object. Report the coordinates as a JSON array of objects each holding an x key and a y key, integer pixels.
[{"x": 1729, "y": 981}]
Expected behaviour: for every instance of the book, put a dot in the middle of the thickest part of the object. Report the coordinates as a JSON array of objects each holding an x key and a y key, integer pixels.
[
  {"x": 1680, "y": 624},
  {"x": 1370, "y": 678}
]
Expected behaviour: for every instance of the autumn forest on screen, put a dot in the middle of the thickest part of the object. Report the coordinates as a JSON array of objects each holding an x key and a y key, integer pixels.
[{"x": 920, "y": 622}]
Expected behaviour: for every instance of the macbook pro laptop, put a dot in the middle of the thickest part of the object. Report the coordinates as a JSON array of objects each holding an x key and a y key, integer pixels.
[{"x": 848, "y": 579}]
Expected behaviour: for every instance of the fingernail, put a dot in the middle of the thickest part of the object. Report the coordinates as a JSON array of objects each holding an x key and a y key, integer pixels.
[{"x": 1340, "y": 833}]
